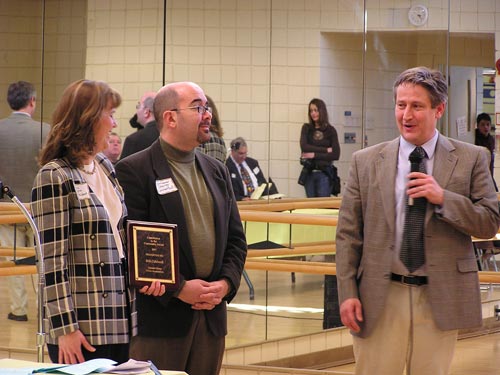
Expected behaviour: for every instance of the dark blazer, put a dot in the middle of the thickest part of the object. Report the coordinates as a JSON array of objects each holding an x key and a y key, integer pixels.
[
  {"x": 238, "y": 187},
  {"x": 85, "y": 285},
  {"x": 167, "y": 316},
  {"x": 140, "y": 140},
  {"x": 366, "y": 231}
]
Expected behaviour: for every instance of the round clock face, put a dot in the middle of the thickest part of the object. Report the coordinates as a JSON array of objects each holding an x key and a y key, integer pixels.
[{"x": 418, "y": 14}]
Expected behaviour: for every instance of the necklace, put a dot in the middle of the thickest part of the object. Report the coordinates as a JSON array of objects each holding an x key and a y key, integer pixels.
[{"x": 90, "y": 173}]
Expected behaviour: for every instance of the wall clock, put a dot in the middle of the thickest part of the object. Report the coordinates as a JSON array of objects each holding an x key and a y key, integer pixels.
[{"x": 418, "y": 15}]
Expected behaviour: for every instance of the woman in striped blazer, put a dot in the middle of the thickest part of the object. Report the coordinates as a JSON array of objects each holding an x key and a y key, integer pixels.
[{"x": 79, "y": 209}]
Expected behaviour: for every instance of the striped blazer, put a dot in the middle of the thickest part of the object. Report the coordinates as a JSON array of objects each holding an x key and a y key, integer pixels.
[{"x": 85, "y": 285}]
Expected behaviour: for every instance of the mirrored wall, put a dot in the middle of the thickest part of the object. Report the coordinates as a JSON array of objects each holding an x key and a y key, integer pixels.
[{"x": 261, "y": 61}]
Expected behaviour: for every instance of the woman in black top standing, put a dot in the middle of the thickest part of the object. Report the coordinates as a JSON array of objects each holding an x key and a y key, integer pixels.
[{"x": 319, "y": 144}]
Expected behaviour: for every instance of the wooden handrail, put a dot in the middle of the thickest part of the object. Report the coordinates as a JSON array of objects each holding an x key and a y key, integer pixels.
[
  {"x": 17, "y": 270},
  {"x": 21, "y": 252},
  {"x": 13, "y": 219},
  {"x": 489, "y": 277},
  {"x": 11, "y": 207},
  {"x": 327, "y": 248},
  {"x": 287, "y": 218},
  {"x": 281, "y": 265},
  {"x": 289, "y": 204}
]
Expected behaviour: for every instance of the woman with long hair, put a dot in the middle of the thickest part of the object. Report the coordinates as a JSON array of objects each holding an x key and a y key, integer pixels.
[
  {"x": 79, "y": 209},
  {"x": 319, "y": 144},
  {"x": 215, "y": 146}
]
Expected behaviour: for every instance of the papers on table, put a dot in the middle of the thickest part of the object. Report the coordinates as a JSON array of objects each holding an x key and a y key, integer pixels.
[
  {"x": 257, "y": 193},
  {"x": 131, "y": 367},
  {"x": 100, "y": 365},
  {"x": 273, "y": 196},
  {"x": 259, "y": 190},
  {"x": 10, "y": 366}
]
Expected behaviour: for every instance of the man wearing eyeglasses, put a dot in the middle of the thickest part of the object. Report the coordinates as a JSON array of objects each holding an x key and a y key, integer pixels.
[
  {"x": 246, "y": 174},
  {"x": 173, "y": 182},
  {"x": 145, "y": 116}
]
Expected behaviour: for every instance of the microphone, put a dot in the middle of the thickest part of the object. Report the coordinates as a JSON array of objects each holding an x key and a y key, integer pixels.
[{"x": 415, "y": 161}]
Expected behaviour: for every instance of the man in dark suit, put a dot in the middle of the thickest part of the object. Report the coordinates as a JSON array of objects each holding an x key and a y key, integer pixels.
[
  {"x": 246, "y": 174},
  {"x": 404, "y": 303},
  {"x": 172, "y": 182},
  {"x": 145, "y": 116}
]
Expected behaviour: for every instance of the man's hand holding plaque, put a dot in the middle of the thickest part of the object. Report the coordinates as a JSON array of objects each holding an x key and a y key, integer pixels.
[{"x": 153, "y": 256}]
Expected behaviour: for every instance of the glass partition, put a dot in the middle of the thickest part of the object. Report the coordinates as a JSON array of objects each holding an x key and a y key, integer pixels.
[
  {"x": 64, "y": 49},
  {"x": 21, "y": 26},
  {"x": 262, "y": 62},
  {"x": 281, "y": 308}
]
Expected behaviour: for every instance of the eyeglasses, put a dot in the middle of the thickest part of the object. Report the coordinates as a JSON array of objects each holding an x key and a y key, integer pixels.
[{"x": 201, "y": 109}]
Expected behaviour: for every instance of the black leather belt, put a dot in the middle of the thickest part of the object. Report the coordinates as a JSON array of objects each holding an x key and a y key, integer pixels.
[{"x": 409, "y": 280}]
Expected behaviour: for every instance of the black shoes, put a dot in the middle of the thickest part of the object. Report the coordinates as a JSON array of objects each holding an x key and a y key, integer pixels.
[{"x": 18, "y": 318}]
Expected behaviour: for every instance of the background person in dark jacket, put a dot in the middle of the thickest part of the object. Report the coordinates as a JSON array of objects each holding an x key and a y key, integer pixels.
[
  {"x": 485, "y": 139},
  {"x": 172, "y": 182},
  {"x": 246, "y": 174},
  {"x": 145, "y": 116}
]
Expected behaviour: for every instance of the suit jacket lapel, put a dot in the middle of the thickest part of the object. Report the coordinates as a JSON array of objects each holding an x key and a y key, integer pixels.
[
  {"x": 445, "y": 161},
  {"x": 171, "y": 203},
  {"x": 386, "y": 168},
  {"x": 216, "y": 186},
  {"x": 234, "y": 169}
]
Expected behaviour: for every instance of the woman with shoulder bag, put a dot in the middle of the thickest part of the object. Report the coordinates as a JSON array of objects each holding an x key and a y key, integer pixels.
[{"x": 319, "y": 144}]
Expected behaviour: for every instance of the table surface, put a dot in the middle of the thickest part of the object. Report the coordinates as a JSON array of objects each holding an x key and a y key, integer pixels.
[{"x": 8, "y": 363}]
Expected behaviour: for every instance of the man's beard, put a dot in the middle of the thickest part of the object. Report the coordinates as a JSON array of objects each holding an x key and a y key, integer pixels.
[{"x": 203, "y": 137}]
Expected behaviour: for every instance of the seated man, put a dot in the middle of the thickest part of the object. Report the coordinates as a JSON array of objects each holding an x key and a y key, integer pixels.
[{"x": 245, "y": 172}]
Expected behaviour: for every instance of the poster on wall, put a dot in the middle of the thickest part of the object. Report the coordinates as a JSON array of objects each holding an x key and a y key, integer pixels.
[{"x": 461, "y": 126}]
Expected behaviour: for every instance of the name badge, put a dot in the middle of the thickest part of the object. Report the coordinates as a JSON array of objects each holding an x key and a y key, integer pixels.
[
  {"x": 256, "y": 171},
  {"x": 82, "y": 191},
  {"x": 165, "y": 186},
  {"x": 233, "y": 175}
]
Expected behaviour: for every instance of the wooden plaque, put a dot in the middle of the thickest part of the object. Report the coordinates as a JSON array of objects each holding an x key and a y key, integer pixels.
[{"x": 153, "y": 253}]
